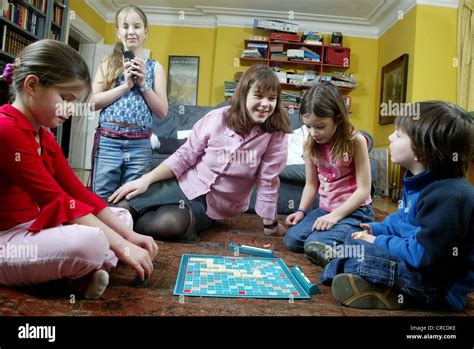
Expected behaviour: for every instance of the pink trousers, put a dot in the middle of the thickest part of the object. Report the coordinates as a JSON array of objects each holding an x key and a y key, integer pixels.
[{"x": 66, "y": 251}]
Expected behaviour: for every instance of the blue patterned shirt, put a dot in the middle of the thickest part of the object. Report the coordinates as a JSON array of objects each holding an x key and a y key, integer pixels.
[{"x": 131, "y": 108}]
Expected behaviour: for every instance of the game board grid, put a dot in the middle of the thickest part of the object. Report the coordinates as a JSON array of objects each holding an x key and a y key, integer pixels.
[{"x": 224, "y": 276}]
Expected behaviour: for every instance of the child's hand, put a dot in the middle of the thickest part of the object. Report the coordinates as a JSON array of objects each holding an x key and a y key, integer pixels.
[
  {"x": 363, "y": 235},
  {"x": 137, "y": 258},
  {"x": 367, "y": 228},
  {"x": 129, "y": 190},
  {"x": 294, "y": 218},
  {"x": 145, "y": 242},
  {"x": 325, "y": 222}
]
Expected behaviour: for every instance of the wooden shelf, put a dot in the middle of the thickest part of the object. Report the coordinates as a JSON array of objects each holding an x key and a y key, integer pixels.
[
  {"x": 320, "y": 68},
  {"x": 296, "y": 62},
  {"x": 254, "y": 59},
  {"x": 43, "y": 24},
  {"x": 17, "y": 29},
  {"x": 9, "y": 57},
  {"x": 14, "y": 37},
  {"x": 33, "y": 8}
]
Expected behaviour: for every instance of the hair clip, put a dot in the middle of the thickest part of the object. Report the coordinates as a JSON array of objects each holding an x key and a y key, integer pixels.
[{"x": 7, "y": 74}]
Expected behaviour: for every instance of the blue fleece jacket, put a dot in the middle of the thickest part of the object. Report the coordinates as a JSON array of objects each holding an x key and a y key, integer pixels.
[{"x": 433, "y": 232}]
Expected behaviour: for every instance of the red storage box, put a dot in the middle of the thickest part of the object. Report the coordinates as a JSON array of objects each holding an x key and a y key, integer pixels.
[{"x": 337, "y": 55}]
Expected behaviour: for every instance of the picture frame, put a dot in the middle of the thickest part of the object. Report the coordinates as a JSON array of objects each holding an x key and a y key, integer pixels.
[
  {"x": 183, "y": 78},
  {"x": 393, "y": 89}
]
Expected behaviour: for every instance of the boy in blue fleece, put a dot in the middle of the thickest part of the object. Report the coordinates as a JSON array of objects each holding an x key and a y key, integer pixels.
[{"x": 423, "y": 255}]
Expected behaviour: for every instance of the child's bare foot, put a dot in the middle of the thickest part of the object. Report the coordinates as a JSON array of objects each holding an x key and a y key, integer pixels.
[{"x": 280, "y": 230}]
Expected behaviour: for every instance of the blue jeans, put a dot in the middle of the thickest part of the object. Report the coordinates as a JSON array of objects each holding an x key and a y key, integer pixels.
[
  {"x": 118, "y": 161},
  {"x": 378, "y": 266},
  {"x": 297, "y": 236}
]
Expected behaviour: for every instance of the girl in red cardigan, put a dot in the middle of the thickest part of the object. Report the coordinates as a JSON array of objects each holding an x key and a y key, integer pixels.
[{"x": 51, "y": 226}]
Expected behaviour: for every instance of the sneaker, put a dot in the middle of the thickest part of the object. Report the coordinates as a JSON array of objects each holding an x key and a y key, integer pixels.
[
  {"x": 92, "y": 285},
  {"x": 319, "y": 253},
  {"x": 356, "y": 292}
]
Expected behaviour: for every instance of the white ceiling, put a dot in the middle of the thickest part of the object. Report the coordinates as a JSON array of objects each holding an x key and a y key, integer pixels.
[{"x": 366, "y": 18}]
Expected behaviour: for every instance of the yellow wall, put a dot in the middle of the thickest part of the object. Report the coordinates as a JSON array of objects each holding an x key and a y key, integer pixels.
[
  {"x": 426, "y": 33},
  {"x": 434, "y": 71},
  {"x": 164, "y": 41},
  {"x": 229, "y": 46},
  {"x": 363, "y": 63},
  {"x": 88, "y": 15},
  {"x": 396, "y": 41}
]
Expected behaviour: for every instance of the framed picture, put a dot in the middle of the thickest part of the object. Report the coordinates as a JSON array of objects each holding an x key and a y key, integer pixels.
[
  {"x": 183, "y": 74},
  {"x": 393, "y": 89}
]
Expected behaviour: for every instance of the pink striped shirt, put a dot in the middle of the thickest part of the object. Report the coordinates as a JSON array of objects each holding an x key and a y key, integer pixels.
[
  {"x": 224, "y": 165},
  {"x": 337, "y": 181}
]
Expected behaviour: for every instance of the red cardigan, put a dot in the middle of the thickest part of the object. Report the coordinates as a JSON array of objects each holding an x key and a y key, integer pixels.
[{"x": 37, "y": 187}]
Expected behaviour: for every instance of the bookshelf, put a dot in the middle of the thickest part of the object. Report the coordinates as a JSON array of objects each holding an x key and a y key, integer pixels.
[
  {"x": 319, "y": 63},
  {"x": 275, "y": 53},
  {"x": 26, "y": 21}
]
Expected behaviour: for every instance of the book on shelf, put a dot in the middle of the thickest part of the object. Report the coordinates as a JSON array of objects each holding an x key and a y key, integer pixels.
[
  {"x": 279, "y": 57},
  {"x": 291, "y": 97},
  {"x": 285, "y": 37},
  {"x": 40, "y": 5},
  {"x": 251, "y": 53},
  {"x": 312, "y": 38},
  {"x": 261, "y": 47},
  {"x": 58, "y": 15},
  {"x": 277, "y": 48},
  {"x": 55, "y": 35},
  {"x": 308, "y": 53},
  {"x": 346, "y": 80},
  {"x": 13, "y": 42},
  {"x": 295, "y": 53},
  {"x": 275, "y": 25},
  {"x": 24, "y": 17}
]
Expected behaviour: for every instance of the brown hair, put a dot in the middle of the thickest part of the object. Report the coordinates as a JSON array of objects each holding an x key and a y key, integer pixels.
[
  {"x": 442, "y": 137},
  {"x": 238, "y": 118},
  {"x": 114, "y": 62},
  {"x": 325, "y": 101},
  {"x": 53, "y": 62}
]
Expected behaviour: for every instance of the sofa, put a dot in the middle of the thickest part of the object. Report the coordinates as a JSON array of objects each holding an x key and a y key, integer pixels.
[{"x": 182, "y": 118}]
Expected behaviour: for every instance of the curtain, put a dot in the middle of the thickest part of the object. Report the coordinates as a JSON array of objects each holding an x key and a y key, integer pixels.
[{"x": 465, "y": 77}]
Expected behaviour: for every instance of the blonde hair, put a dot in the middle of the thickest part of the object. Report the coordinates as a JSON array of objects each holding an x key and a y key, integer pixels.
[
  {"x": 114, "y": 63},
  {"x": 325, "y": 101}
]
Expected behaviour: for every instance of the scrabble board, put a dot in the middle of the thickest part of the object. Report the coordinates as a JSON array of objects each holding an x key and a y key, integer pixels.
[{"x": 240, "y": 277}]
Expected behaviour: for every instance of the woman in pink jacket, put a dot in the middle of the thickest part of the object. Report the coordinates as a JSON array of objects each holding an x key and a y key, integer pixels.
[{"x": 211, "y": 176}]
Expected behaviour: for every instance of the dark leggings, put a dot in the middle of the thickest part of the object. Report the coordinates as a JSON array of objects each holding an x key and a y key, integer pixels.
[{"x": 169, "y": 222}]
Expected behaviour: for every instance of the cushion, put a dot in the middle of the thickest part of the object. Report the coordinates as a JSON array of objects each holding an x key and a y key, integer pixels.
[
  {"x": 169, "y": 145},
  {"x": 293, "y": 173}
]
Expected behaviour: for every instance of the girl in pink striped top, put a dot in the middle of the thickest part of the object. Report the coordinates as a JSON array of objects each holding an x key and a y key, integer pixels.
[{"x": 337, "y": 168}]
